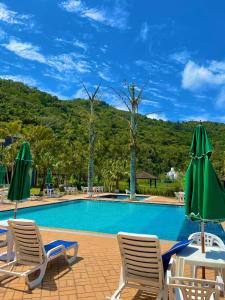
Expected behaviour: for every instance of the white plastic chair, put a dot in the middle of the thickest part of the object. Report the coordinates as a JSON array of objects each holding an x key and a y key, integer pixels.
[
  {"x": 127, "y": 191},
  {"x": 30, "y": 251},
  {"x": 211, "y": 240},
  {"x": 182, "y": 288},
  {"x": 142, "y": 266}
]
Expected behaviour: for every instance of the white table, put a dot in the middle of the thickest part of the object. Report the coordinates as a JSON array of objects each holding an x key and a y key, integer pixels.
[
  {"x": 9, "y": 255},
  {"x": 192, "y": 255}
]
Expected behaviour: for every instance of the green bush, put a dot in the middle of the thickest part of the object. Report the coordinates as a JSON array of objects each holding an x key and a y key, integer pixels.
[{"x": 162, "y": 188}]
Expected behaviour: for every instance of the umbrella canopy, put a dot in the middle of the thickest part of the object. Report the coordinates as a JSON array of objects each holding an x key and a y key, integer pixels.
[
  {"x": 20, "y": 184},
  {"x": 204, "y": 193},
  {"x": 48, "y": 178},
  {"x": 3, "y": 171}
]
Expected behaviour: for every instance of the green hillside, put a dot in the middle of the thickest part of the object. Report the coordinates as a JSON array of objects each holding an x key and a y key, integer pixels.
[{"x": 62, "y": 134}]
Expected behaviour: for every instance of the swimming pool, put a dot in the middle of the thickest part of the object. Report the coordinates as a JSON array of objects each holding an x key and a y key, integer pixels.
[
  {"x": 123, "y": 197},
  {"x": 166, "y": 221}
]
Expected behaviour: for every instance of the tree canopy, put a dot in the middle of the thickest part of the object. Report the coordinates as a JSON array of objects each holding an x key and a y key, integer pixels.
[{"x": 58, "y": 134}]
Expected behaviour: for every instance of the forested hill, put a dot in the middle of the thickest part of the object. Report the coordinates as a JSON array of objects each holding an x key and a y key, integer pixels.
[{"x": 161, "y": 144}]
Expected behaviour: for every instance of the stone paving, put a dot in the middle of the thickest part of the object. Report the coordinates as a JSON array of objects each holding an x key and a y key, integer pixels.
[{"x": 95, "y": 275}]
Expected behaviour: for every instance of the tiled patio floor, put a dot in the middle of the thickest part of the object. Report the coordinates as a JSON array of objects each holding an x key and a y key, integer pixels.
[{"x": 94, "y": 276}]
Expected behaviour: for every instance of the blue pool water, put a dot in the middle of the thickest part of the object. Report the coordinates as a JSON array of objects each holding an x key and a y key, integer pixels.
[
  {"x": 166, "y": 221},
  {"x": 123, "y": 197}
]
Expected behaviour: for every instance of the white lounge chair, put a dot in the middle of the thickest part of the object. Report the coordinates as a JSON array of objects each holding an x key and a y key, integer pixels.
[
  {"x": 127, "y": 191},
  {"x": 142, "y": 266},
  {"x": 31, "y": 252}
]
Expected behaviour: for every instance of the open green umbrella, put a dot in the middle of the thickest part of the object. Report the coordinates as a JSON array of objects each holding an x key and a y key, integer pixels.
[
  {"x": 20, "y": 184},
  {"x": 3, "y": 171},
  {"x": 48, "y": 178},
  {"x": 204, "y": 193}
]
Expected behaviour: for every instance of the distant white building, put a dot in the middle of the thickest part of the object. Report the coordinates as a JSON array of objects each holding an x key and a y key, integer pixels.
[{"x": 172, "y": 175}]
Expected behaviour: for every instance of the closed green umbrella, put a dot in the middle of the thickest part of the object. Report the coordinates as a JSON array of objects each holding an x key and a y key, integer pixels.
[
  {"x": 21, "y": 181},
  {"x": 3, "y": 171},
  {"x": 204, "y": 193},
  {"x": 48, "y": 178}
]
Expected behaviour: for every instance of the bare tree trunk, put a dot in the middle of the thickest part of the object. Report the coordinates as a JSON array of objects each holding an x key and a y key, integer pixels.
[
  {"x": 132, "y": 102},
  {"x": 133, "y": 133},
  {"x": 132, "y": 171},
  {"x": 91, "y": 151},
  {"x": 92, "y": 136}
]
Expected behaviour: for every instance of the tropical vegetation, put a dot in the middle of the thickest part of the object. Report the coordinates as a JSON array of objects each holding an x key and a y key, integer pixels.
[{"x": 58, "y": 133}]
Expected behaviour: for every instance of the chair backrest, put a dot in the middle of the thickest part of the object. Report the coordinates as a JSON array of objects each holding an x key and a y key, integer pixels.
[
  {"x": 190, "y": 288},
  {"x": 211, "y": 240},
  {"x": 29, "y": 247},
  {"x": 141, "y": 259}
]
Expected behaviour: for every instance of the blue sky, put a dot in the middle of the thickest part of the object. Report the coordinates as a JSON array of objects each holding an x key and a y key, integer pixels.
[{"x": 176, "y": 49}]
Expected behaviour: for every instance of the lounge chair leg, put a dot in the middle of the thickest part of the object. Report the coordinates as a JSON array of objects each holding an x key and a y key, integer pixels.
[
  {"x": 160, "y": 296},
  {"x": 165, "y": 293},
  {"x": 32, "y": 284},
  {"x": 74, "y": 257},
  {"x": 116, "y": 295}
]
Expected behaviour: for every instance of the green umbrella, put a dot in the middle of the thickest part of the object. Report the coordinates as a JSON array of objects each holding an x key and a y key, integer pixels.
[
  {"x": 48, "y": 178},
  {"x": 3, "y": 171},
  {"x": 20, "y": 184},
  {"x": 204, "y": 193}
]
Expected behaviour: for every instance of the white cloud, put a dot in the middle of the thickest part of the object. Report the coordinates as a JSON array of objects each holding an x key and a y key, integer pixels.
[
  {"x": 80, "y": 94},
  {"x": 104, "y": 76},
  {"x": 25, "y": 50},
  {"x": 220, "y": 101},
  {"x": 62, "y": 62},
  {"x": 95, "y": 14},
  {"x": 12, "y": 17},
  {"x": 53, "y": 93},
  {"x": 2, "y": 34},
  {"x": 150, "y": 102},
  {"x": 68, "y": 62},
  {"x": 24, "y": 79},
  {"x": 156, "y": 116},
  {"x": 80, "y": 44},
  {"x": 196, "y": 77},
  {"x": 144, "y": 31},
  {"x": 115, "y": 17},
  {"x": 72, "y": 5},
  {"x": 181, "y": 57}
]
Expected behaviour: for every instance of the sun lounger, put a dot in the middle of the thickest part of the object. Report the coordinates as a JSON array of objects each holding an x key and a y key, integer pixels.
[
  {"x": 142, "y": 266},
  {"x": 31, "y": 252}
]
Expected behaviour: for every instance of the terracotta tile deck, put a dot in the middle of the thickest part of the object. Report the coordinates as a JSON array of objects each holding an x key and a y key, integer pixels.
[{"x": 94, "y": 276}]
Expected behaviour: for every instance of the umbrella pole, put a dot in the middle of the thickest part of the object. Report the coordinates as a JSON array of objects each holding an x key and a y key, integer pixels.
[
  {"x": 15, "y": 210},
  {"x": 203, "y": 246}
]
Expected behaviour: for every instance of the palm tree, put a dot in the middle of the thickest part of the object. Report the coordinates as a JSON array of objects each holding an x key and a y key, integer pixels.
[{"x": 92, "y": 138}]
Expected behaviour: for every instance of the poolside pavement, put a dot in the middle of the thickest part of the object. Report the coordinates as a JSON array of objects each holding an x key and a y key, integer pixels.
[{"x": 95, "y": 274}]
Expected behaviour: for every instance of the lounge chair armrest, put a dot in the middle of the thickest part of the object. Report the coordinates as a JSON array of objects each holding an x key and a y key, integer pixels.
[
  {"x": 169, "y": 271},
  {"x": 60, "y": 247},
  {"x": 220, "y": 282}
]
